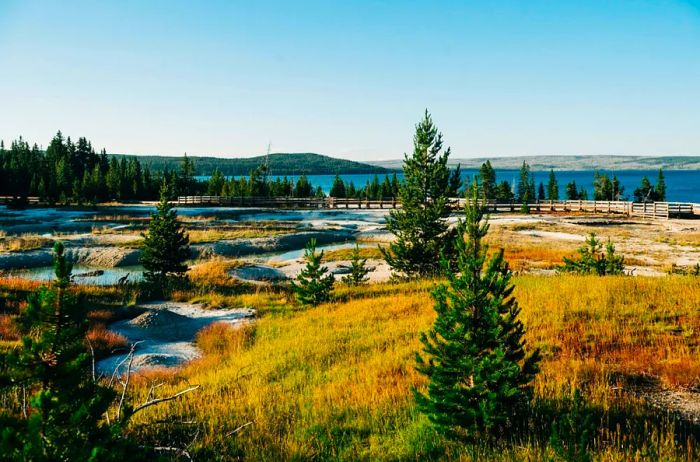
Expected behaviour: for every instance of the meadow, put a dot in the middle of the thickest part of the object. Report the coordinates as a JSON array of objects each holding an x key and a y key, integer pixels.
[{"x": 336, "y": 381}]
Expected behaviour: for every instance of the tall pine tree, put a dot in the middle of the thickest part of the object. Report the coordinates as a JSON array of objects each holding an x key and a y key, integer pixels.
[
  {"x": 474, "y": 356},
  {"x": 552, "y": 187},
  {"x": 420, "y": 225}
]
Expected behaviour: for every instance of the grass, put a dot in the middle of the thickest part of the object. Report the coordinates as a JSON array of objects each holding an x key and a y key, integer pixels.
[
  {"x": 22, "y": 242},
  {"x": 198, "y": 236},
  {"x": 104, "y": 341},
  {"x": 336, "y": 381},
  {"x": 370, "y": 253}
]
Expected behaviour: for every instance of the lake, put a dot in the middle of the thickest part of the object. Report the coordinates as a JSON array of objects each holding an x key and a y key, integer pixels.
[{"x": 681, "y": 185}]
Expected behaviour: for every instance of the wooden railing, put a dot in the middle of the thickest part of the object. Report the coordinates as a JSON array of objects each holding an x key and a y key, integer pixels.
[
  {"x": 647, "y": 210},
  {"x": 637, "y": 209},
  {"x": 288, "y": 202}
]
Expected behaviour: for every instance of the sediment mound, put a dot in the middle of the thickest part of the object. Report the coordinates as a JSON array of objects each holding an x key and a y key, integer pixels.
[
  {"x": 160, "y": 324},
  {"x": 260, "y": 245},
  {"x": 104, "y": 257},
  {"x": 157, "y": 318},
  {"x": 258, "y": 273}
]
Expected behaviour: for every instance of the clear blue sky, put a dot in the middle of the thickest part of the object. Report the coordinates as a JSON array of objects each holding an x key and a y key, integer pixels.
[{"x": 351, "y": 78}]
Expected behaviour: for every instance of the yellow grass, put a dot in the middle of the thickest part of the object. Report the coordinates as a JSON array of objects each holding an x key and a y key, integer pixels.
[
  {"x": 346, "y": 254},
  {"x": 214, "y": 234},
  {"x": 335, "y": 381},
  {"x": 23, "y": 242}
]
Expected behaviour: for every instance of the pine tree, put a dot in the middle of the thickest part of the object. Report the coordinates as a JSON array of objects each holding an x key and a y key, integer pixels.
[
  {"x": 540, "y": 192},
  {"x": 313, "y": 286},
  {"x": 185, "y": 177},
  {"x": 572, "y": 191},
  {"x": 165, "y": 246},
  {"x": 64, "y": 419},
  {"x": 487, "y": 180},
  {"x": 552, "y": 187},
  {"x": 526, "y": 188},
  {"x": 338, "y": 188},
  {"x": 420, "y": 225},
  {"x": 215, "y": 185},
  {"x": 661, "y": 187},
  {"x": 504, "y": 192},
  {"x": 474, "y": 355},
  {"x": 358, "y": 269},
  {"x": 303, "y": 188},
  {"x": 593, "y": 260},
  {"x": 645, "y": 191}
]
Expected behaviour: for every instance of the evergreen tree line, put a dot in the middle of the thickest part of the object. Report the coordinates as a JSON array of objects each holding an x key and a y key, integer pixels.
[
  {"x": 257, "y": 185},
  {"x": 524, "y": 191},
  {"x": 73, "y": 172},
  {"x": 374, "y": 190}
]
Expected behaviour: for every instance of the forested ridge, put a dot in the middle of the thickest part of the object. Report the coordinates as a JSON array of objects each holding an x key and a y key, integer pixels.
[{"x": 280, "y": 164}]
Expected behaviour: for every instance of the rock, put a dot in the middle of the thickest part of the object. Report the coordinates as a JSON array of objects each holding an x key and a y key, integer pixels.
[
  {"x": 258, "y": 273},
  {"x": 89, "y": 274},
  {"x": 341, "y": 269}
]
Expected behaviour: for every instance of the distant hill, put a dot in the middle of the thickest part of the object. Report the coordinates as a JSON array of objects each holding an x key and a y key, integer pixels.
[
  {"x": 571, "y": 162},
  {"x": 280, "y": 164}
]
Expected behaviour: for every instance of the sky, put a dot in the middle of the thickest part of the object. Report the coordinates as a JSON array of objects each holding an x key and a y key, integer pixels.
[{"x": 351, "y": 79}]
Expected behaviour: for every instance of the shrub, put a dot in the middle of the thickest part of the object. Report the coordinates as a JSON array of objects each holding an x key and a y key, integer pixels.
[
  {"x": 313, "y": 285},
  {"x": 593, "y": 260},
  {"x": 358, "y": 269}
]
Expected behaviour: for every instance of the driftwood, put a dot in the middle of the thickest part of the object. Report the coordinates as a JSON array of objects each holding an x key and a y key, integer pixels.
[{"x": 125, "y": 380}]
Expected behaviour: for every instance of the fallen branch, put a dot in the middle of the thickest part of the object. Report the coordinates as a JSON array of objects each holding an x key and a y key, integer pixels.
[
  {"x": 233, "y": 432},
  {"x": 153, "y": 402},
  {"x": 125, "y": 384}
]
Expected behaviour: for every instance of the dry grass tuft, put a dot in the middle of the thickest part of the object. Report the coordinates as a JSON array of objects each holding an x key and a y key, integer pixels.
[
  {"x": 104, "y": 341},
  {"x": 23, "y": 242},
  {"x": 370, "y": 253},
  {"x": 8, "y": 328},
  {"x": 222, "y": 338}
]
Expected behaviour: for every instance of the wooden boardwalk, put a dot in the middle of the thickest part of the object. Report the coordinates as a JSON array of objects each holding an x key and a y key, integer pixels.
[
  {"x": 632, "y": 209},
  {"x": 627, "y": 208}
]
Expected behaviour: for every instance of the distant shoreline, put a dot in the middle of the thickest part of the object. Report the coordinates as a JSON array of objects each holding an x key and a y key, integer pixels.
[{"x": 568, "y": 163}]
